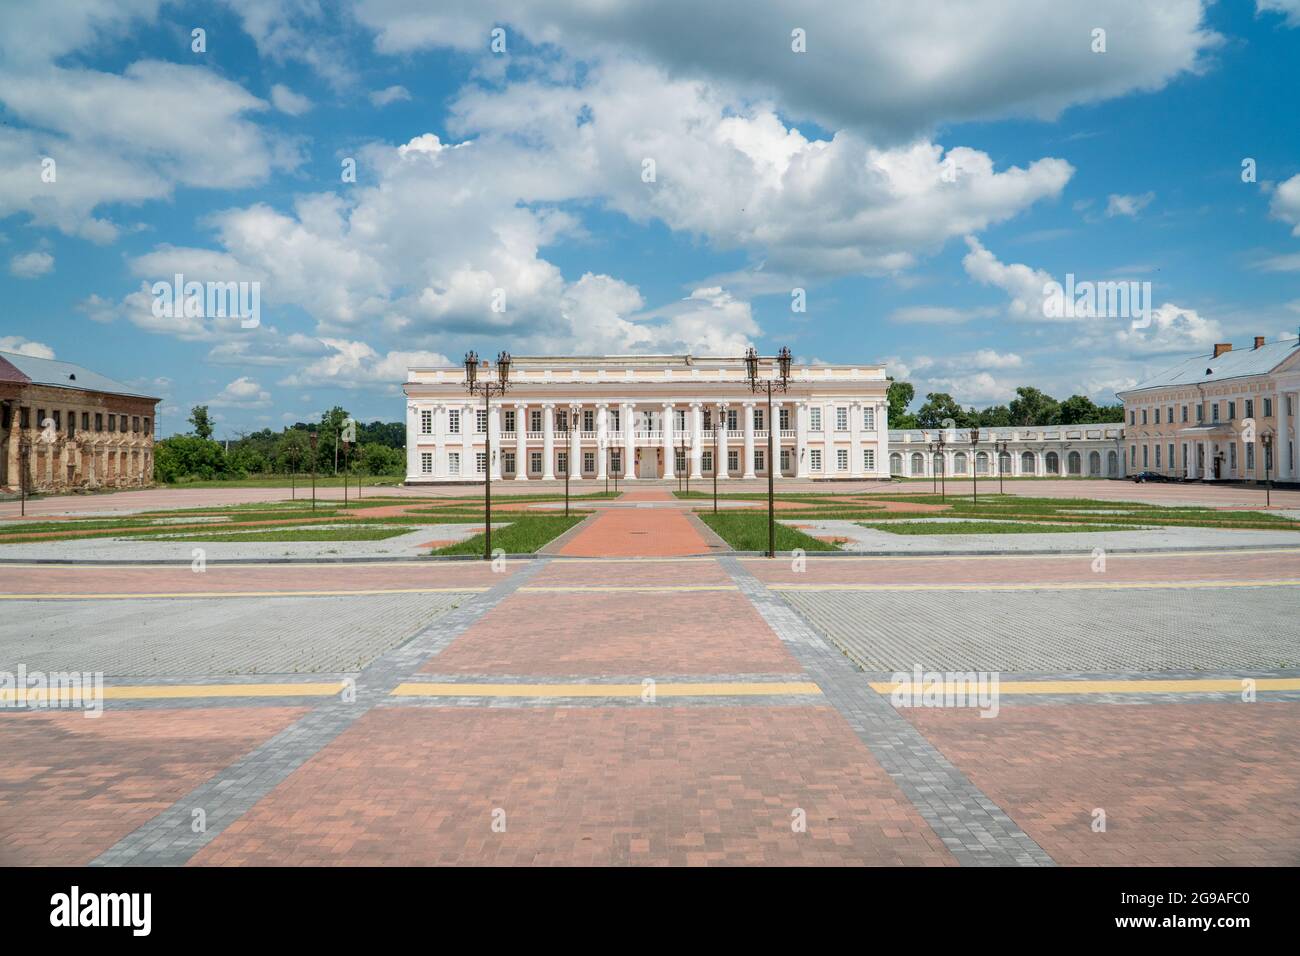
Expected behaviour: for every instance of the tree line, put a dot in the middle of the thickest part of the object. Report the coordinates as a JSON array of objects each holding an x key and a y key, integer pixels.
[
  {"x": 379, "y": 449},
  {"x": 1029, "y": 407}
]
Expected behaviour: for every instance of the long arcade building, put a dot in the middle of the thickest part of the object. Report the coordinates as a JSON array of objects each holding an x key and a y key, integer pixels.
[{"x": 645, "y": 416}]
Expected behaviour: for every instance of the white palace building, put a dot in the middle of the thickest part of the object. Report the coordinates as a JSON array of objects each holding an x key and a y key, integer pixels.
[{"x": 644, "y": 417}]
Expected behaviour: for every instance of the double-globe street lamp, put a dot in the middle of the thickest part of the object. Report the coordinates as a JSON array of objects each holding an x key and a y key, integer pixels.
[
  {"x": 974, "y": 467},
  {"x": 780, "y": 383},
  {"x": 487, "y": 388},
  {"x": 936, "y": 452}
]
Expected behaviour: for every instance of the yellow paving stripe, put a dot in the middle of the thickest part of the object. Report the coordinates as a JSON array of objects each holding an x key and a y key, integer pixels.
[
  {"x": 585, "y": 588},
  {"x": 1076, "y": 556},
  {"x": 235, "y": 594},
  {"x": 1047, "y": 586},
  {"x": 263, "y": 566},
  {"x": 739, "y": 689},
  {"x": 1196, "y": 686},
  {"x": 177, "y": 691}
]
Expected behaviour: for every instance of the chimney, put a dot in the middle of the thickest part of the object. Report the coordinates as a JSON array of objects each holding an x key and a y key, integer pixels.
[
  {"x": 1221, "y": 347},
  {"x": 1259, "y": 341}
]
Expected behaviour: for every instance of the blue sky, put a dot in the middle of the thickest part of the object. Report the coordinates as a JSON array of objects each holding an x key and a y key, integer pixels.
[{"x": 517, "y": 177}]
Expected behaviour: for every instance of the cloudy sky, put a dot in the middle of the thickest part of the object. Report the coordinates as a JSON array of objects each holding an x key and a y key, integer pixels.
[{"x": 615, "y": 176}]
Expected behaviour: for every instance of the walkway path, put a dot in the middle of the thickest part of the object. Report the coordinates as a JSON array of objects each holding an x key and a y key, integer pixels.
[{"x": 651, "y": 532}]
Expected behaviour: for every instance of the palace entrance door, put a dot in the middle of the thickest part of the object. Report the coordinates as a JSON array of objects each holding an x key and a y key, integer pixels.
[{"x": 647, "y": 465}]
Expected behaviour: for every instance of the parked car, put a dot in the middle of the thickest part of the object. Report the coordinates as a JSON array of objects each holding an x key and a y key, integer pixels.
[{"x": 1150, "y": 476}]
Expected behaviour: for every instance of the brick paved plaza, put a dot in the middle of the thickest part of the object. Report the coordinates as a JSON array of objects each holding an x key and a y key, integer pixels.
[{"x": 643, "y": 697}]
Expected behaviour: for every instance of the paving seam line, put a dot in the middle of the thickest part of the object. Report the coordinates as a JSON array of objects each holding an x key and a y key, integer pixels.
[
  {"x": 973, "y": 828},
  {"x": 168, "y": 839}
]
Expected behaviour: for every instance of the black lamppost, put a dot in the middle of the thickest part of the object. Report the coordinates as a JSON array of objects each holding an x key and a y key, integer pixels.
[
  {"x": 347, "y": 447},
  {"x": 974, "y": 471},
  {"x": 487, "y": 388},
  {"x": 1267, "y": 441},
  {"x": 293, "y": 470},
  {"x": 717, "y": 427},
  {"x": 780, "y": 383},
  {"x": 24, "y": 474},
  {"x": 681, "y": 456},
  {"x": 1001, "y": 449},
  {"x": 936, "y": 448},
  {"x": 315, "y": 437}
]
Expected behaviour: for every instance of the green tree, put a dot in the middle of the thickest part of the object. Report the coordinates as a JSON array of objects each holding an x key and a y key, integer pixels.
[
  {"x": 1032, "y": 407},
  {"x": 1078, "y": 410},
  {"x": 995, "y": 416},
  {"x": 938, "y": 407},
  {"x": 201, "y": 421},
  {"x": 900, "y": 397}
]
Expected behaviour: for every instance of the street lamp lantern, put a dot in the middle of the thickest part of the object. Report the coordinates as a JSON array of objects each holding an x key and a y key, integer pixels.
[
  {"x": 471, "y": 370},
  {"x": 503, "y": 368},
  {"x": 751, "y": 366},
  {"x": 783, "y": 363}
]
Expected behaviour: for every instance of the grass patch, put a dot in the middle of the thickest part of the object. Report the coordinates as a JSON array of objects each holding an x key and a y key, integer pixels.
[
  {"x": 983, "y": 527},
  {"x": 524, "y": 535},
  {"x": 298, "y": 534},
  {"x": 748, "y": 532}
]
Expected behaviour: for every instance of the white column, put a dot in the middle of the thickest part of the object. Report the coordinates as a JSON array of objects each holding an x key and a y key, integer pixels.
[
  {"x": 697, "y": 440},
  {"x": 747, "y": 416},
  {"x": 468, "y": 427},
  {"x": 602, "y": 441},
  {"x": 548, "y": 441},
  {"x": 666, "y": 430},
  {"x": 629, "y": 440},
  {"x": 774, "y": 429},
  {"x": 521, "y": 441},
  {"x": 801, "y": 438},
  {"x": 720, "y": 466},
  {"x": 882, "y": 438},
  {"x": 855, "y": 442},
  {"x": 494, "y": 439},
  {"x": 575, "y": 442},
  {"x": 412, "y": 439},
  {"x": 1295, "y": 431}
]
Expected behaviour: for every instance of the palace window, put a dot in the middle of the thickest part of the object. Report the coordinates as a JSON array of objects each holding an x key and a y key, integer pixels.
[
  {"x": 426, "y": 422},
  {"x": 535, "y": 462},
  {"x": 562, "y": 462},
  {"x": 868, "y": 418},
  {"x": 480, "y": 462},
  {"x": 508, "y": 458},
  {"x": 785, "y": 459},
  {"x": 1184, "y": 414},
  {"x": 1232, "y": 411},
  {"x": 1157, "y": 421},
  {"x": 1250, "y": 408},
  {"x": 815, "y": 459},
  {"x": 869, "y": 459},
  {"x": 510, "y": 421},
  {"x": 1268, "y": 407},
  {"x": 679, "y": 419},
  {"x": 733, "y": 422},
  {"x": 679, "y": 460},
  {"x": 453, "y": 421},
  {"x": 535, "y": 419},
  {"x": 758, "y": 460},
  {"x": 1200, "y": 414},
  {"x": 426, "y": 463},
  {"x": 1250, "y": 457},
  {"x": 841, "y": 419},
  {"x": 841, "y": 459},
  {"x": 783, "y": 417},
  {"x": 480, "y": 420},
  {"x": 85, "y": 421},
  {"x": 815, "y": 418},
  {"x": 1214, "y": 409},
  {"x": 561, "y": 420},
  {"x": 758, "y": 419},
  {"x": 1157, "y": 456},
  {"x": 733, "y": 461},
  {"x": 99, "y": 421},
  {"x": 453, "y": 463},
  {"x": 588, "y": 462},
  {"x": 616, "y": 462},
  {"x": 614, "y": 420},
  {"x": 706, "y": 461},
  {"x": 588, "y": 420},
  {"x": 708, "y": 419}
]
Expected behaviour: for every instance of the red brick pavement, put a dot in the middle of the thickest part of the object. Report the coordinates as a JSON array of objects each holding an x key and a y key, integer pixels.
[
  {"x": 72, "y": 786},
  {"x": 708, "y": 632},
  {"x": 660, "y": 785},
  {"x": 1181, "y": 784},
  {"x": 638, "y": 532}
]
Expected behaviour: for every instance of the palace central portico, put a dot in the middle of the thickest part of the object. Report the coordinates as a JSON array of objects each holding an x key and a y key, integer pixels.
[{"x": 644, "y": 417}]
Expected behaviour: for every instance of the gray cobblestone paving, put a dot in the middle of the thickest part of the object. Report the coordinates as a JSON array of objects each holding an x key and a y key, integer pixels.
[
  {"x": 169, "y": 840},
  {"x": 973, "y": 828},
  {"x": 1061, "y": 631},
  {"x": 213, "y": 636}
]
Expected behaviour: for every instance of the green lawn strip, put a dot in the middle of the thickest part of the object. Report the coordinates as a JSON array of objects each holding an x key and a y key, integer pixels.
[
  {"x": 297, "y": 534},
  {"x": 279, "y": 481},
  {"x": 982, "y": 527},
  {"x": 748, "y": 532},
  {"x": 1142, "y": 519},
  {"x": 523, "y": 535}
]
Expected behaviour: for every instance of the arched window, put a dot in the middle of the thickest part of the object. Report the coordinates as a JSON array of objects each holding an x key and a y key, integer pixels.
[
  {"x": 895, "y": 464},
  {"x": 1027, "y": 463},
  {"x": 982, "y": 463},
  {"x": 1004, "y": 463},
  {"x": 1052, "y": 463},
  {"x": 1094, "y": 464},
  {"x": 918, "y": 463},
  {"x": 1075, "y": 463},
  {"x": 938, "y": 464},
  {"x": 1112, "y": 464},
  {"x": 959, "y": 463}
]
